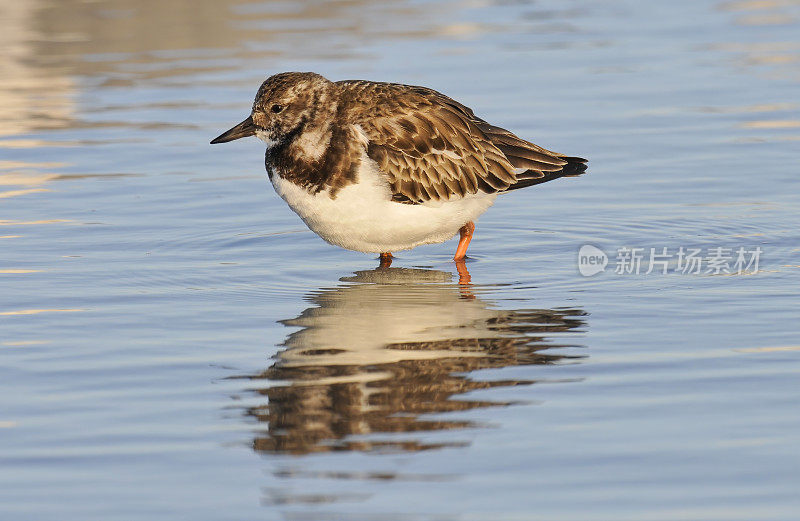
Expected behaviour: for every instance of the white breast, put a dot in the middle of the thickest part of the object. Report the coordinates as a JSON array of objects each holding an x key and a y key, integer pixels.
[{"x": 363, "y": 217}]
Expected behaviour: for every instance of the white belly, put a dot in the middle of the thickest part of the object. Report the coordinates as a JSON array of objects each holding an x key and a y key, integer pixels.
[{"x": 363, "y": 217}]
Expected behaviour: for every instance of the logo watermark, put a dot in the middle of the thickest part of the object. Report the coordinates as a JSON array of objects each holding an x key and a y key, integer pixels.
[
  {"x": 591, "y": 260},
  {"x": 687, "y": 261}
]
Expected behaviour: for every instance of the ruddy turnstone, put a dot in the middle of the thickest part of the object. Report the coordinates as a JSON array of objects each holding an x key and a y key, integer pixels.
[{"x": 381, "y": 167}]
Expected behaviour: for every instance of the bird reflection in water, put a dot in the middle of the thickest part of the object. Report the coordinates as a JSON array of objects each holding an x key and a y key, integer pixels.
[{"x": 376, "y": 356}]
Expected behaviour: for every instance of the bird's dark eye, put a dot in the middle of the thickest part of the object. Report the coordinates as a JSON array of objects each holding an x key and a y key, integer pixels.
[{"x": 276, "y": 108}]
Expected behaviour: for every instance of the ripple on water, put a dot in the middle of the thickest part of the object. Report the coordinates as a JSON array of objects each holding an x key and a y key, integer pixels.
[{"x": 164, "y": 305}]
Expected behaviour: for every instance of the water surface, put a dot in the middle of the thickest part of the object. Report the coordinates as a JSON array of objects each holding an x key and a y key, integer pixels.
[{"x": 174, "y": 343}]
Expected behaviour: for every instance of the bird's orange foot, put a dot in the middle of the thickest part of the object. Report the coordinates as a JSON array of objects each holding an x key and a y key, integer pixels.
[{"x": 386, "y": 260}]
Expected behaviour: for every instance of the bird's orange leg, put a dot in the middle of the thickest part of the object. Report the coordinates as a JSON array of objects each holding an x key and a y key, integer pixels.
[
  {"x": 466, "y": 232},
  {"x": 386, "y": 260}
]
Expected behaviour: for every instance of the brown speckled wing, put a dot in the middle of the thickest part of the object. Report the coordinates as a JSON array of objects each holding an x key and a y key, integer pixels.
[
  {"x": 432, "y": 148},
  {"x": 429, "y": 148}
]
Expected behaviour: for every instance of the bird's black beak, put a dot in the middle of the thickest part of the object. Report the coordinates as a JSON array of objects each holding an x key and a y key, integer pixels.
[{"x": 244, "y": 129}]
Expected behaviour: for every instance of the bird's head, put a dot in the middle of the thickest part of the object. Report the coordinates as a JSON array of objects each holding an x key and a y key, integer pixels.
[{"x": 285, "y": 105}]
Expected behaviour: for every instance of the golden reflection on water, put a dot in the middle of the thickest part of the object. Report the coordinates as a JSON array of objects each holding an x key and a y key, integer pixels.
[
  {"x": 8, "y": 222},
  {"x": 127, "y": 41},
  {"x": 16, "y": 193},
  {"x": 786, "y": 123},
  {"x": 28, "y": 93},
  {"x": 386, "y": 350},
  {"x": 37, "y": 311}
]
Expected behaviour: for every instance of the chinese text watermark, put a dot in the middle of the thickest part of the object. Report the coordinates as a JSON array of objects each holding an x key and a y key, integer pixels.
[{"x": 644, "y": 261}]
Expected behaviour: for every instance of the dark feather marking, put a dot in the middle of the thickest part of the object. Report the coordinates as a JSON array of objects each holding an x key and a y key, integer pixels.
[
  {"x": 429, "y": 146},
  {"x": 335, "y": 169}
]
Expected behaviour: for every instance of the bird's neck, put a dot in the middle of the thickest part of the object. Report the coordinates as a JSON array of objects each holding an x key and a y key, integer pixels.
[
  {"x": 312, "y": 143},
  {"x": 320, "y": 158}
]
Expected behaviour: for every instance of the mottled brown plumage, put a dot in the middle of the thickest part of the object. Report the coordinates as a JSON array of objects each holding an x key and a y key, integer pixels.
[
  {"x": 369, "y": 166},
  {"x": 429, "y": 146},
  {"x": 432, "y": 147}
]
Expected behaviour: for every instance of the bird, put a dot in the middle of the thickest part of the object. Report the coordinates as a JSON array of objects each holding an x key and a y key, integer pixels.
[{"x": 383, "y": 167}]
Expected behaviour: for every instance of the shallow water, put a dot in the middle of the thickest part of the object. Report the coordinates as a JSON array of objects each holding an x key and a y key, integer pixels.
[{"x": 175, "y": 344}]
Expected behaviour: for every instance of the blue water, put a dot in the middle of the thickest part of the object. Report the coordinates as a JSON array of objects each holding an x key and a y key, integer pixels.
[{"x": 175, "y": 344}]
